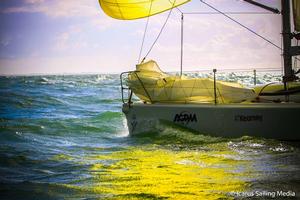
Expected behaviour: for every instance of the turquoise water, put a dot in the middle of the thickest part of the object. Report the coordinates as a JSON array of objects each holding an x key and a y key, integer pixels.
[{"x": 66, "y": 137}]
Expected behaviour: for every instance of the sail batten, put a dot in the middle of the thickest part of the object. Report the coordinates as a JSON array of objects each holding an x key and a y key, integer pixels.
[{"x": 136, "y": 9}]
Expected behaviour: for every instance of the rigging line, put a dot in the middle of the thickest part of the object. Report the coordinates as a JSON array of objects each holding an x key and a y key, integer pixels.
[
  {"x": 162, "y": 28},
  {"x": 241, "y": 25},
  {"x": 179, "y": 10},
  {"x": 295, "y": 60},
  {"x": 229, "y": 13},
  {"x": 144, "y": 36},
  {"x": 181, "y": 45},
  {"x": 244, "y": 26},
  {"x": 173, "y": 3}
]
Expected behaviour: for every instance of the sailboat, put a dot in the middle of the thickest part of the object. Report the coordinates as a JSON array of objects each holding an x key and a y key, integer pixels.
[{"x": 205, "y": 105}]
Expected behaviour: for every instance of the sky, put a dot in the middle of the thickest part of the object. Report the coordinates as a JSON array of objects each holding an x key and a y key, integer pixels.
[{"x": 76, "y": 36}]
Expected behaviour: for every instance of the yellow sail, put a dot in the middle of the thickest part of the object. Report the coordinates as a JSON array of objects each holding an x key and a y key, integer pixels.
[
  {"x": 135, "y": 9},
  {"x": 296, "y": 12},
  {"x": 152, "y": 85}
]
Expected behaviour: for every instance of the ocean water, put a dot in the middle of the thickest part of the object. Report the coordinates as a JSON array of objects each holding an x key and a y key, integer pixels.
[{"x": 65, "y": 137}]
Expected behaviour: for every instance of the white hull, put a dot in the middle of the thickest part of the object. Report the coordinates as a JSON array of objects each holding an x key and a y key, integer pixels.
[{"x": 268, "y": 120}]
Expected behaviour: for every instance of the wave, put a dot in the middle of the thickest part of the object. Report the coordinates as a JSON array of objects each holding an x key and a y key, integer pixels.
[
  {"x": 82, "y": 80},
  {"x": 177, "y": 138},
  {"x": 106, "y": 123}
]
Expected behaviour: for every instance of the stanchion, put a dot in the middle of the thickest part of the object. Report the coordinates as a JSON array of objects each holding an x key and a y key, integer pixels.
[
  {"x": 215, "y": 86},
  {"x": 254, "y": 76}
]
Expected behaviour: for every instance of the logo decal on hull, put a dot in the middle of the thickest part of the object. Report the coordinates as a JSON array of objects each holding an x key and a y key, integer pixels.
[
  {"x": 185, "y": 118},
  {"x": 248, "y": 118}
]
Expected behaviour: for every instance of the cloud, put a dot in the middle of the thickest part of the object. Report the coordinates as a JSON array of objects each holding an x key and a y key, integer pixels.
[
  {"x": 56, "y": 8},
  {"x": 95, "y": 42},
  {"x": 84, "y": 9},
  {"x": 102, "y": 63},
  {"x": 83, "y": 36},
  {"x": 103, "y": 23},
  {"x": 70, "y": 40},
  {"x": 61, "y": 42},
  {"x": 5, "y": 41},
  {"x": 34, "y": 1}
]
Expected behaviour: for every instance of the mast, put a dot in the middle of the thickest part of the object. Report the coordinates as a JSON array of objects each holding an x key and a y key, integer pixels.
[
  {"x": 288, "y": 50},
  {"x": 286, "y": 34}
]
